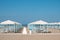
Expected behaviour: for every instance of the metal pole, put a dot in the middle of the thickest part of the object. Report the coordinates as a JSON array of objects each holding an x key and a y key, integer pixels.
[{"x": 15, "y": 28}]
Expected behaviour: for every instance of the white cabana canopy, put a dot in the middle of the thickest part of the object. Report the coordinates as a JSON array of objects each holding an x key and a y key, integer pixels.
[
  {"x": 9, "y": 22},
  {"x": 54, "y": 23},
  {"x": 58, "y": 22},
  {"x": 39, "y": 22}
]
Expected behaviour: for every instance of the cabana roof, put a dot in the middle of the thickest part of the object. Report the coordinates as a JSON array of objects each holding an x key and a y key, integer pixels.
[
  {"x": 39, "y": 22},
  {"x": 54, "y": 23},
  {"x": 58, "y": 22},
  {"x": 9, "y": 22}
]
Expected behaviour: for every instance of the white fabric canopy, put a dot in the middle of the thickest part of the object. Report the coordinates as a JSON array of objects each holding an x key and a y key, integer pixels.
[
  {"x": 39, "y": 22},
  {"x": 9, "y": 22}
]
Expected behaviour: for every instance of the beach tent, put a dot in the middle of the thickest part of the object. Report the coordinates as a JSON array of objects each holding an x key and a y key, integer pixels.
[
  {"x": 10, "y": 25},
  {"x": 54, "y": 25},
  {"x": 37, "y": 26},
  {"x": 42, "y": 26}
]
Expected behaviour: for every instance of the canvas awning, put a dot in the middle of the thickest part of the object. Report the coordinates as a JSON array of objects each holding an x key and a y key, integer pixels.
[
  {"x": 39, "y": 22},
  {"x": 9, "y": 22}
]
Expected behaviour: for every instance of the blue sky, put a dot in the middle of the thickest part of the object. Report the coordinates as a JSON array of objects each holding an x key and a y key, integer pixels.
[{"x": 26, "y": 11}]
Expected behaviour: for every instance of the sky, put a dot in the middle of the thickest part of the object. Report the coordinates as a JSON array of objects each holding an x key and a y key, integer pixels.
[{"x": 27, "y": 11}]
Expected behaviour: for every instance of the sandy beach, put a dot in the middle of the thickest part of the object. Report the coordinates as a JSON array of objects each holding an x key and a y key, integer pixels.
[{"x": 40, "y": 36}]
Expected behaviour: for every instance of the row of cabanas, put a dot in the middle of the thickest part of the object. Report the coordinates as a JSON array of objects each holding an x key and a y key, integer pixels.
[
  {"x": 34, "y": 27},
  {"x": 43, "y": 27}
]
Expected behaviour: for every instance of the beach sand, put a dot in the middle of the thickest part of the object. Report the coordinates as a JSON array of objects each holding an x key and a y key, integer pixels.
[
  {"x": 54, "y": 30},
  {"x": 40, "y": 36}
]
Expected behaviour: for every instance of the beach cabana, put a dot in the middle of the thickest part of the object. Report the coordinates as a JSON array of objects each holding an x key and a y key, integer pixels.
[
  {"x": 10, "y": 26},
  {"x": 42, "y": 26},
  {"x": 37, "y": 26}
]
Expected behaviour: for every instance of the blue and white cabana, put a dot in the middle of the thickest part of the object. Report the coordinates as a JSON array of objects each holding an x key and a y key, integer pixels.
[
  {"x": 38, "y": 26},
  {"x": 10, "y": 26},
  {"x": 42, "y": 26}
]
